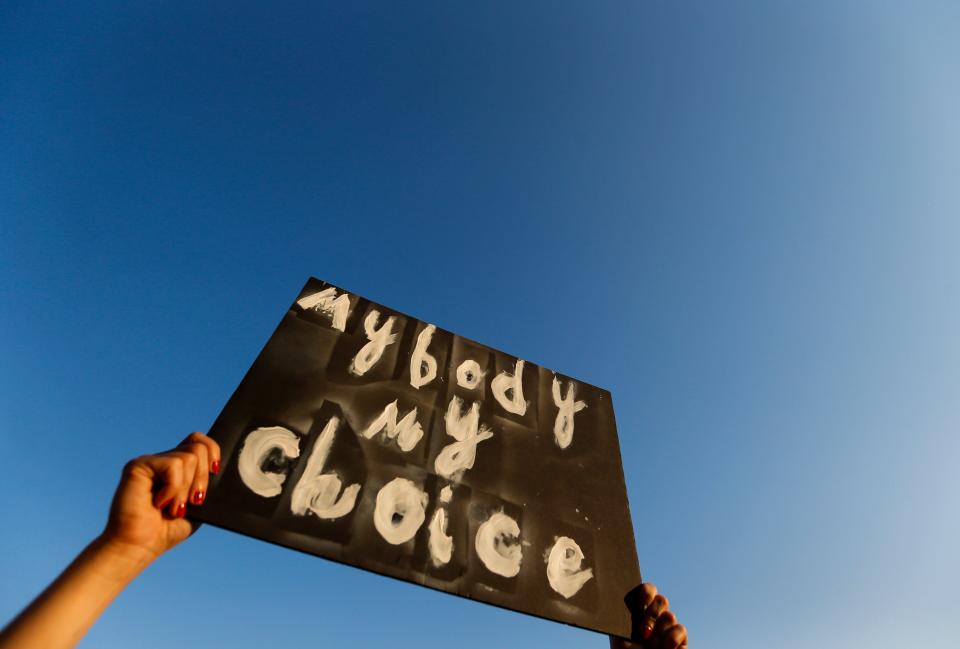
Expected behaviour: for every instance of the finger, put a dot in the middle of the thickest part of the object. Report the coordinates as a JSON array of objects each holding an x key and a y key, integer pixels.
[
  {"x": 666, "y": 620},
  {"x": 213, "y": 450},
  {"x": 188, "y": 526},
  {"x": 674, "y": 638},
  {"x": 198, "y": 488},
  {"x": 637, "y": 601},
  {"x": 660, "y": 604},
  {"x": 640, "y": 597},
  {"x": 649, "y": 617},
  {"x": 188, "y": 462},
  {"x": 161, "y": 476}
]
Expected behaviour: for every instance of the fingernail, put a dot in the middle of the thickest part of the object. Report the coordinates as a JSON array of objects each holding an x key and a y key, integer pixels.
[
  {"x": 198, "y": 497},
  {"x": 164, "y": 504},
  {"x": 647, "y": 631},
  {"x": 181, "y": 510},
  {"x": 215, "y": 467}
]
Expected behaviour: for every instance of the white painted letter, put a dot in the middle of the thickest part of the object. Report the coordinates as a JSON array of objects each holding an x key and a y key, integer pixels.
[
  {"x": 440, "y": 544},
  {"x": 399, "y": 512},
  {"x": 563, "y": 567},
  {"x": 493, "y": 548},
  {"x": 317, "y": 491},
  {"x": 370, "y": 353},
  {"x": 256, "y": 447},
  {"x": 504, "y": 383},
  {"x": 469, "y": 374},
  {"x": 420, "y": 375},
  {"x": 563, "y": 426},
  {"x": 407, "y": 433},
  {"x": 457, "y": 457},
  {"x": 328, "y": 303}
]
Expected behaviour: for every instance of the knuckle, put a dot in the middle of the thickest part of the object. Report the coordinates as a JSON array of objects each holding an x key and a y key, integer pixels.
[
  {"x": 131, "y": 466},
  {"x": 677, "y": 634},
  {"x": 645, "y": 596},
  {"x": 196, "y": 437}
]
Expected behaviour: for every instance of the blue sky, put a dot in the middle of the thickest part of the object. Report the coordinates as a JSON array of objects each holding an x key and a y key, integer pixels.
[{"x": 751, "y": 209}]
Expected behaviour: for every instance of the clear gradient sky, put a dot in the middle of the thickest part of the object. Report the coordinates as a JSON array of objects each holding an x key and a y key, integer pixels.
[{"x": 751, "y": 209}]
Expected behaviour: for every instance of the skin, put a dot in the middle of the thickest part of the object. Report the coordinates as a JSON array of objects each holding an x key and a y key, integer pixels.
[
  {"x": 654, "y": 624},
  {"x": 147, "y": 519}
]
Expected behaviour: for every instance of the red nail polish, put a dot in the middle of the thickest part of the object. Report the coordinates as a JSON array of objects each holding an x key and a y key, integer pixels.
[
  {"x": 215, "y": 467},
  {"x": 181, "y": 510},
  {"x": 198, "y": 497}
]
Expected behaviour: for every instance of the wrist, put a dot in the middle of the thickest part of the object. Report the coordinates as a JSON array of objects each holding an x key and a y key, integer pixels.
[{"x": 116, "y": 560}]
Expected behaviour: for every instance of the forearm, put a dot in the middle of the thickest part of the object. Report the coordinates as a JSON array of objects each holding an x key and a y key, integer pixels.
[{"x": 63, "y": 613}]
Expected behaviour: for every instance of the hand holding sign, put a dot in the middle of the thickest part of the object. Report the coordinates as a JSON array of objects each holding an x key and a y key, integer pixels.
[
  {"x": 654, "y": 625},
  {"x": 146, "y": 519},
  {"x": 148, "y": 509}
]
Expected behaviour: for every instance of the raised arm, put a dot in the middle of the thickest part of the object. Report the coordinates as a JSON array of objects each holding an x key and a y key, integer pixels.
[{"x": 146, "y": 519}]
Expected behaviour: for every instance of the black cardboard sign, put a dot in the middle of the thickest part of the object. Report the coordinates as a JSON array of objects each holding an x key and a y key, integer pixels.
[{"x": 371, "y": 438}]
